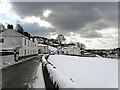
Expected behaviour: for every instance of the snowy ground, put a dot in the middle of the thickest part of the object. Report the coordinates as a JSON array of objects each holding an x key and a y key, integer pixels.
[
  {"x": 39, "y": 83},
  {"x": 87, "y": 72}
]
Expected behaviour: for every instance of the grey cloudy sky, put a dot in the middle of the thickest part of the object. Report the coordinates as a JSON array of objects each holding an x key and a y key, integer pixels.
[
  {"x": 93, "y": 23},
  {"x": 64, "y": 1}
]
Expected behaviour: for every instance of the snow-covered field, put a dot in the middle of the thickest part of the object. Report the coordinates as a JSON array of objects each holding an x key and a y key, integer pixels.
[{"x": 87, "y": 72}]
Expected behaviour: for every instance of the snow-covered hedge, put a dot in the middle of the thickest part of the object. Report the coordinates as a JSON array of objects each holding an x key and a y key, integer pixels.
[{"x": 57, "y": 77}]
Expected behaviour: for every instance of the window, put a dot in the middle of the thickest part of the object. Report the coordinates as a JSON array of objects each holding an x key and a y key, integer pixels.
[
  {"x": 28, "y": 52},
  {"x": 1, "y": 40},
  {"x": 25, "y": 41},
  {"x": 32, "y": 44},
  {"x": 25, "y": 52},
  {"x": 28, "y": 43}
]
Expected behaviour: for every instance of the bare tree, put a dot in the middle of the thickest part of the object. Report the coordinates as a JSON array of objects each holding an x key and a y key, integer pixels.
[
  {"x": 80, "y": 45},
  {"x": 19, "y": 28},
  {"x": 60, "y": 39}
]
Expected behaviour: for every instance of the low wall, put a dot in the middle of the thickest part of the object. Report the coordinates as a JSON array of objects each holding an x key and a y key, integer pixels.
[
  {"x": 6, "y": 60},
  {"x": 53, "y": 77},
  {"x": 46, "y": 75},
  {"x": 48, "y": 81}
]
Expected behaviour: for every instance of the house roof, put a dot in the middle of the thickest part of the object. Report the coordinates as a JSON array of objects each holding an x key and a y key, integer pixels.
[
  {"x": 14, "y": 33},
  {"x": 42, "y": 45},
  {"x": 7, "y": 32},
  {"x": 52, "y": 48}
]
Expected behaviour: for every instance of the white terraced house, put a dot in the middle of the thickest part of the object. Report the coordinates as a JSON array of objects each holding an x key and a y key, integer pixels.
[
  {"x": 71, "y": 50},
  {"x": 14, "y": 45},
  {"x": 42, "y": 49}
]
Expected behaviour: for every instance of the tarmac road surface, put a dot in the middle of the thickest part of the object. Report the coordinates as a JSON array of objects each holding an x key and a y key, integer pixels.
[{"x": 17, "y": 76}]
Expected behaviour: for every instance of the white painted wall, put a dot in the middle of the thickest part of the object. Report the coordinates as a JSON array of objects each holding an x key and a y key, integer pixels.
[
  {"x": 71, "y": 50},
  {"x": 13, "y": 38},
  {"x": 30, "y": 47},
  {"x": 43, "y": 49}
]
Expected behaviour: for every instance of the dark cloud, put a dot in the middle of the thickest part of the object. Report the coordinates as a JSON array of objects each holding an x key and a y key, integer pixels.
[
  {"x": 35, "y": 29},
  {"x": 73, "y": 17},
  {"x": 92, "y": 35}
]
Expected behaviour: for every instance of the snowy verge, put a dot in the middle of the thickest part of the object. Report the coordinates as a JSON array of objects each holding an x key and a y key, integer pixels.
[
  {"x": 57, "y": 77},
  {"x": 39, "y": 83}
]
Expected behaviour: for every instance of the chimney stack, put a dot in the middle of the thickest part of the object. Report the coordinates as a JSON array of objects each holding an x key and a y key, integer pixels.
[{"x": 9, "y": 26}]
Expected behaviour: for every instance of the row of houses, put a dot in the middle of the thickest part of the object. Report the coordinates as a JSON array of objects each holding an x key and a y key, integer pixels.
[
  {"x": 15, "y": 46},
  {"x": 107, "y": 53},
  {"x": 52, "y": 45},
  {"x": 47, "y": 49}
]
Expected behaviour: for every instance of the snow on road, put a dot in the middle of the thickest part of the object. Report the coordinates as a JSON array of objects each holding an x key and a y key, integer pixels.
[
  {"x": 88, "y": 72},
  {"x": 39, "y": 83}
]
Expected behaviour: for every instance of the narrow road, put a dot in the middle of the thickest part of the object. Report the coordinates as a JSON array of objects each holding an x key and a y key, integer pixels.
[{"x": 17, "y": 76}]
